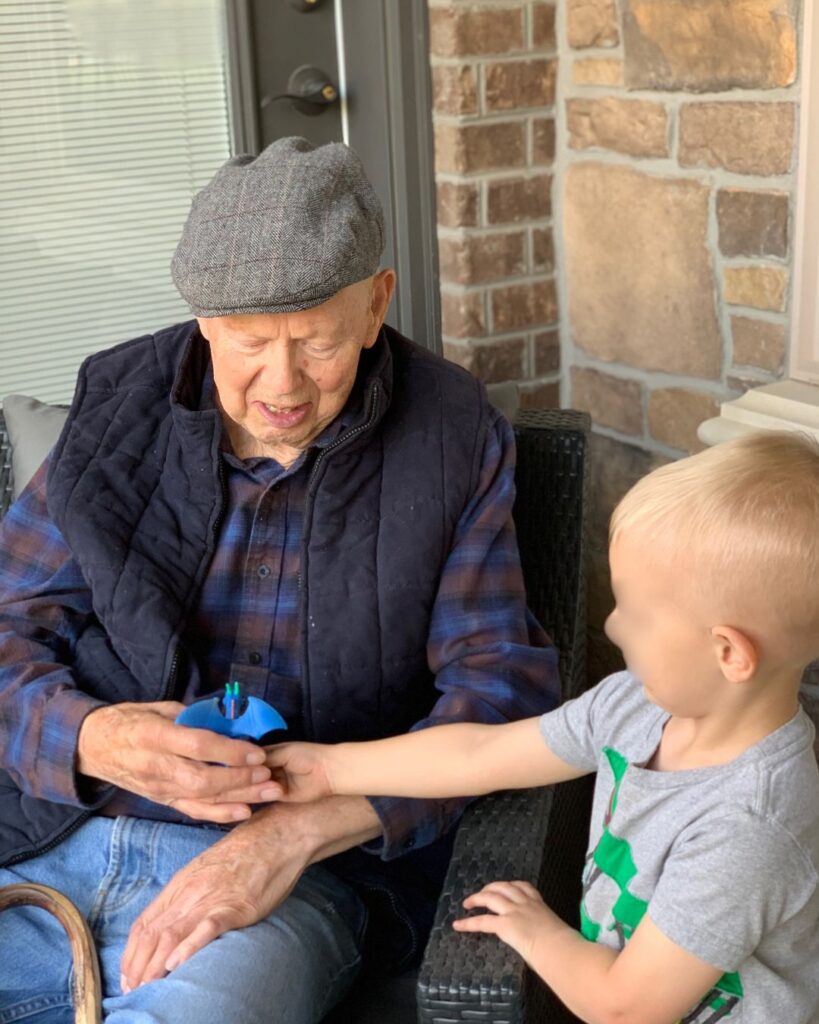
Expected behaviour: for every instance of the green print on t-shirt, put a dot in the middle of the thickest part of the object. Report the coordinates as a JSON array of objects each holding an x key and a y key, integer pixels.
[{"x": 613, "y": 857}]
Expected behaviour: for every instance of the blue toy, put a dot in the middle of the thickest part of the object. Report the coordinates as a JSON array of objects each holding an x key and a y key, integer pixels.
[{"x": 234, "y": 715}]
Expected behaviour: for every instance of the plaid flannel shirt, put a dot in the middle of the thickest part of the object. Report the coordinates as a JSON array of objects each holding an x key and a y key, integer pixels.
[{"x": 491, "y": 660}]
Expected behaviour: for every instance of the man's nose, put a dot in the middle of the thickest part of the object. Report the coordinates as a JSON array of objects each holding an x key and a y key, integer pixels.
[{"x": 282, "y": 374}]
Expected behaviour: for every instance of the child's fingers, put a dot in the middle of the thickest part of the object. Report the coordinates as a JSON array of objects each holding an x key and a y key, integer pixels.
[
  {"x": 512, "y": 891},
  {"x": 497, "y": 902},
  {"x": 528, "y": 890},
  {"x": 277, "y": 756},
  {"x": 488, "y": 923}
]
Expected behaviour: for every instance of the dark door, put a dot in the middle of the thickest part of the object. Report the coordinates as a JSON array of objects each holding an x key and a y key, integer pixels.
[{"x": 374, "y": 54}]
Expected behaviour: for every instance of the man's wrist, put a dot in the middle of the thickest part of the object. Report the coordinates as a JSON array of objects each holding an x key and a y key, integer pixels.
[{"x": 319, "y": 829}]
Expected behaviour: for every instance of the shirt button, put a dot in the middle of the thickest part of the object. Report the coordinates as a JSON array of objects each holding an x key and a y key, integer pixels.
[
  {"x": 263, "y": 571},
  {"x": 255, "y": 658}
]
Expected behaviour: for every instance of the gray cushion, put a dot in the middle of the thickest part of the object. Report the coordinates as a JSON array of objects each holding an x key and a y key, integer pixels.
[{"x": 33, "y": 428}]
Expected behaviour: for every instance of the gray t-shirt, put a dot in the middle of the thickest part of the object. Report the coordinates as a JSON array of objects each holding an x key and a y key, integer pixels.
[{"x": 724, "y": 859}]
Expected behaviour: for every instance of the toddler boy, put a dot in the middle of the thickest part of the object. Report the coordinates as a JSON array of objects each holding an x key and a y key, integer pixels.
[{"x": 701, "y": 885}]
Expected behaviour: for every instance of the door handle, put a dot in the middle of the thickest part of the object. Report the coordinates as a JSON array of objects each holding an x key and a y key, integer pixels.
[{"x": 309, "y": 89}]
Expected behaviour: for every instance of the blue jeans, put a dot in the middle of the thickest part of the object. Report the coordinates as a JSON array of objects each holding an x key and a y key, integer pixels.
[{"x": 290, "y": 968}]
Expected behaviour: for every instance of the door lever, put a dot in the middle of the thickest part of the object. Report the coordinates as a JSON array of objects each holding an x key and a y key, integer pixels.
[{"x": 309, "y": 89}]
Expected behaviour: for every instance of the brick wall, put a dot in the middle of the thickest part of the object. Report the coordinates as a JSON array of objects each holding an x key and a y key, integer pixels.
[
  {"x": 615, "y": 188},
  {"x": 676, "y": 156},
  {"x": 493, "y": 71}
]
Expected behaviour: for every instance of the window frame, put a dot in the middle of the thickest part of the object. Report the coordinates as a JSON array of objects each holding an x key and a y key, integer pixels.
[{"x": 804, "y": 338}]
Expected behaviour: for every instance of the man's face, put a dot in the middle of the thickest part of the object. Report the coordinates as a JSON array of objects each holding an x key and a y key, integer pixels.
[{"x": 281, "y": 378}]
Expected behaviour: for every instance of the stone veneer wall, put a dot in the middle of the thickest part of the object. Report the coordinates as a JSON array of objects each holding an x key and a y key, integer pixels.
[
  {"x": 615, "y": 204},
  {"x": 676, "y": 160},
  {"x": 493, "y": 73}
]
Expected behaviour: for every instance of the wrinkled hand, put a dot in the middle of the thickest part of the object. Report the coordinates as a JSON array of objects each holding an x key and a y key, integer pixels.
[
  {"x": 518, "y": 915},
  {"x": 235, "y": 883},
  {"x": 300, "y": 771},
  {"x": 139, "y": 748}
]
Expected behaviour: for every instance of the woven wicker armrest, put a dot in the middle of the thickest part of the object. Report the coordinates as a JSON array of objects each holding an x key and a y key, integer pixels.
[{"x": 534, "y": 835}]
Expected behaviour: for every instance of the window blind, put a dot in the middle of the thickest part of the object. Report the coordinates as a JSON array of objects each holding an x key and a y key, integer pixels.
[{"x": 113, "y": 113}]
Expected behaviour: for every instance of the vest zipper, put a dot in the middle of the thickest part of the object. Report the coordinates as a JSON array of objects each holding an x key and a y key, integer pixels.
[
  {"x": 170, "y": 685},
  {"x": 338, "y": 443},
  {"x": 81, "y": 820}
]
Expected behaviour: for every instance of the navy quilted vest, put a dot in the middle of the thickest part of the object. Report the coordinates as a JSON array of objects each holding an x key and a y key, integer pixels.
[{"x": 135, "y": 488}]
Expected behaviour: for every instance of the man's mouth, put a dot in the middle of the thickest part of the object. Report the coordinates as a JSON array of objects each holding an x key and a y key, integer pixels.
[{"x": 283, "y": 415}]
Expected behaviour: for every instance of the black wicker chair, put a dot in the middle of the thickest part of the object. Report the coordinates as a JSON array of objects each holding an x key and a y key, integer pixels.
[{"x": 537, "y": 835}]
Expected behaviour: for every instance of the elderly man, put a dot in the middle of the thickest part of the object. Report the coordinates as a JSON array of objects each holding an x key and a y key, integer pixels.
[{"x": 283, "y": 492}]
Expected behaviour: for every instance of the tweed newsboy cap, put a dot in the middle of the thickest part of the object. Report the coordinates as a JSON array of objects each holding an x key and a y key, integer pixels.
[{"x": 279, "y": 232}]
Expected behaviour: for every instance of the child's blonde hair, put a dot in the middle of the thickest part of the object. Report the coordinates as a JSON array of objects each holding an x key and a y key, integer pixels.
[{"x": 744, "y": 518}]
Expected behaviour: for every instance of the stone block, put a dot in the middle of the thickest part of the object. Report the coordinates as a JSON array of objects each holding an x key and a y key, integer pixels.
[
  {"x": 512, "y": 200},
  {"x": 640, "y": 279},
  {"x": 491, "y": 361},
  {"x": 543, "y": 27},
  {"x": 540, "y": 395},
  {"x": 546, "y": 351},
  {"x": 598, "y": 71},
  {"x": 611, "y": 401},
  {"x": 757, "y": 287},
  {"x": 462, "y": 149},
  {"x": 517, "y": 84},
  {"x": 475, "y": 259},
  {"x": 592, "y": 23},
  {"x": 454, "y": 89},
  {"x": 543, "y": 140},
  {"x": 543, "y": 250},
  {"x": 748, "y": 138},
  {"x": 457, "y": 204},
  {"x": 752, "y": 223},
  {"x": 462, "y": 314},
  {"x": 457, "y": 31},
  {"x": 675, "y": 413},
  {"x": 615, "y": 467},
  {"x": 709, "y": 45},
  {"x": 517, "y": 306},
  {"x": 758, "y": 343},
  {"x": 636, "y": 127}
]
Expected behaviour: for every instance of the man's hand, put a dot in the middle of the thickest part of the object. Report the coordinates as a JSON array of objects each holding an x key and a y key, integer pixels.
[
  {"x": 240, "y": 880},
  {"x": 139, "y": 748},
  {"x": 518, "y": 915},
  {"x": 300, "y": 771}
]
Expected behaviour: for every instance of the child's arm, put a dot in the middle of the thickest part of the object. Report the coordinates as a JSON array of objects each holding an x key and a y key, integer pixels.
[
  {"x": 448, "y": 760},
  {"x": 652, "y": 981}
]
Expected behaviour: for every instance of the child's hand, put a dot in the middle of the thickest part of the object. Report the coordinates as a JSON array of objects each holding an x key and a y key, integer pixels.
[
  {"x": 299, "y": 771},
  {"x": 518, "y": 915}
]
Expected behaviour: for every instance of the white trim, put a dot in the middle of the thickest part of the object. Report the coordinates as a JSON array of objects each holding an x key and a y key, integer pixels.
[
  {"x": 785, "y": 405},
  {"x": 804, "y": 347}
]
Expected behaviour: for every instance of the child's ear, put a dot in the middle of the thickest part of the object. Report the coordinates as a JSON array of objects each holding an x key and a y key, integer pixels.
[{"x": 736, "y": 653}]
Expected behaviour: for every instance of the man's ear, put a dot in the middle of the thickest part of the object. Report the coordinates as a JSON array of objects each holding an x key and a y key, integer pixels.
[
  {"x": 737, "y": 654},
  {"x": 383, "y": 288}
]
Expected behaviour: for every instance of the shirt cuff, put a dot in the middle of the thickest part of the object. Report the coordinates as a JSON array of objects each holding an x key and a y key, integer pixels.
[
  {"x": 56, "y": 777},
  {"x": 408, "y": 824}
]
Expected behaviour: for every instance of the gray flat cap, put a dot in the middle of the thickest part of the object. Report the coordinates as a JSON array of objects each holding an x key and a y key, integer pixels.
[{"x": 279, "y": 232}]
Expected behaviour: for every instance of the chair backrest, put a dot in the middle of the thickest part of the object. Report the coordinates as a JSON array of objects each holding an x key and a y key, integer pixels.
[
  {"x": 5, "y": 466},
  {"x": 551, "y": 513}
]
